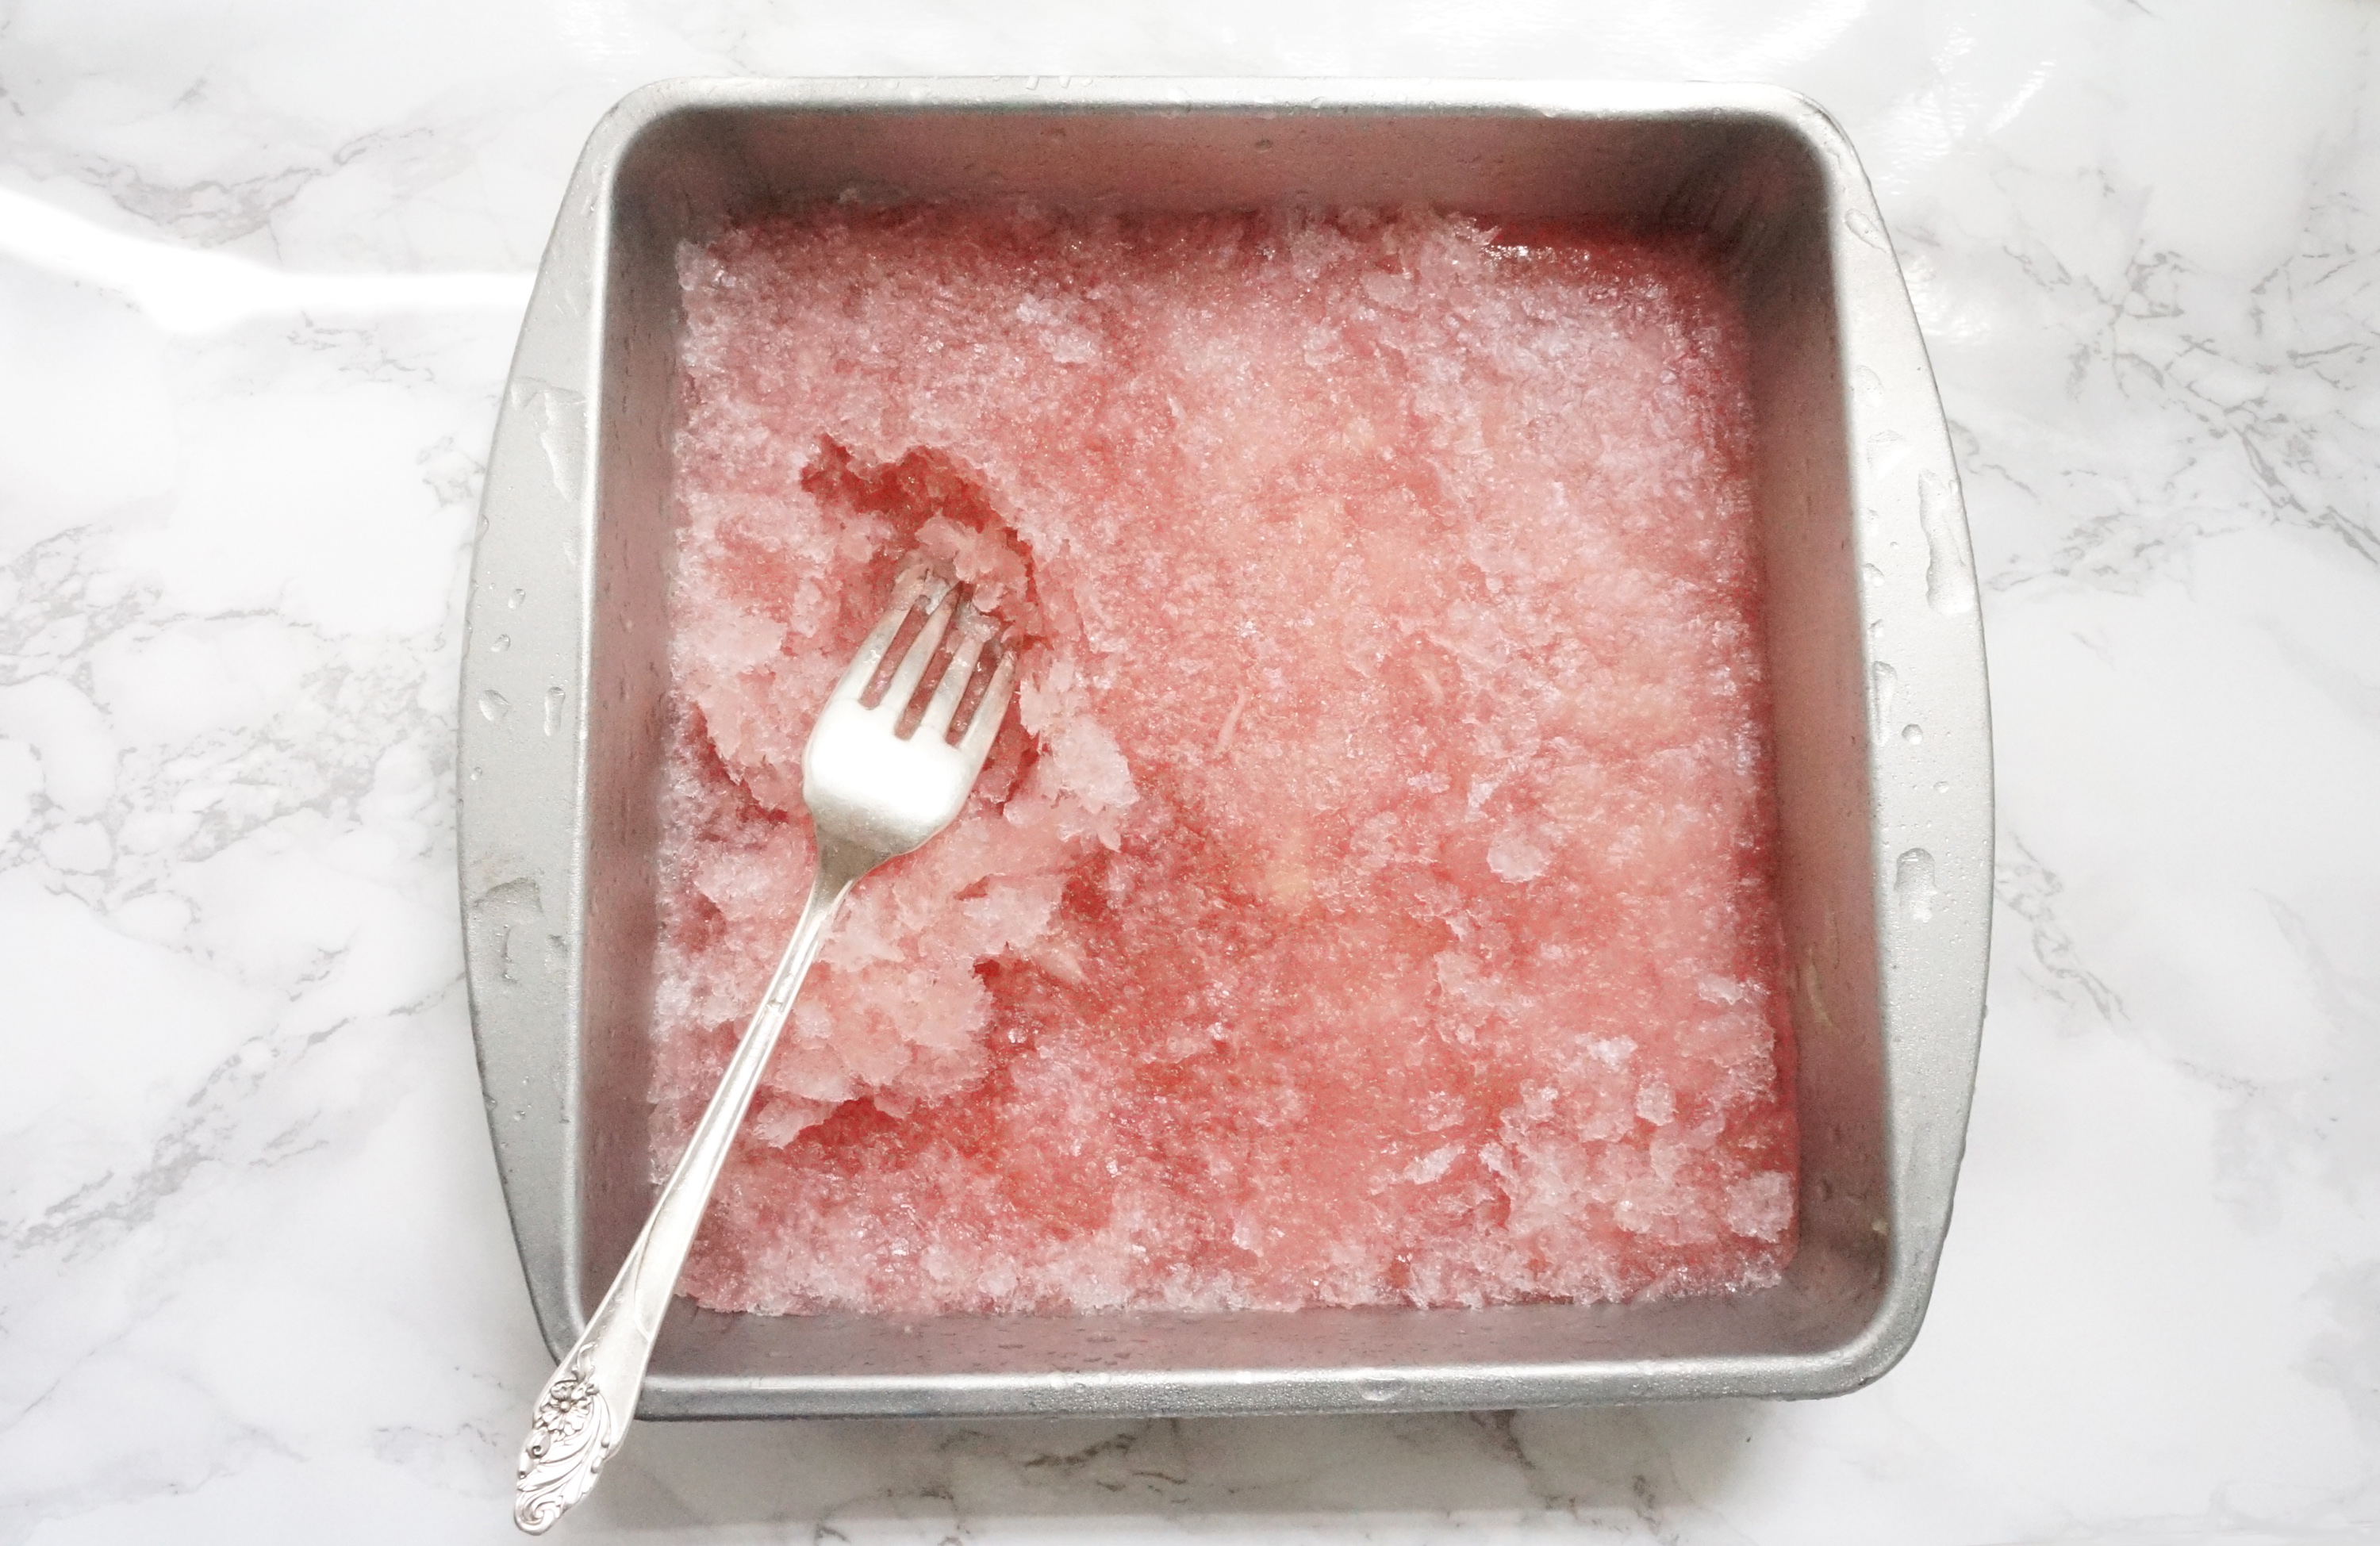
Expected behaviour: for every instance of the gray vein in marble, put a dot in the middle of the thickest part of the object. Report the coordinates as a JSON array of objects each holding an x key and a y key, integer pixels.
[{"x": 2028, "y": 890}]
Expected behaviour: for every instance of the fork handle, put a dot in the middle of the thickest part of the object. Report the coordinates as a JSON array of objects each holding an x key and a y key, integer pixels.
[{"x": 583, "y": 1412}]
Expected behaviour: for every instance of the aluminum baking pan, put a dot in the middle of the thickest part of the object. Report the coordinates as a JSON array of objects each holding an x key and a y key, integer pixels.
[{"x": 1886, "y": 842}]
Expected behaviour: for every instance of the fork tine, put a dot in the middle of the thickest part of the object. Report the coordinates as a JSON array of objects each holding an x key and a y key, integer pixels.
[
  {"x": 991, "y": 710},
  {"x": 907, "y": 589},
  {"x": 975, "y": 631},
  {"x": 903, "y": 686}
]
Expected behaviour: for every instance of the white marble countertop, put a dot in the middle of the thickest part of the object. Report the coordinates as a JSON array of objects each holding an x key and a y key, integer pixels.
[{"x": 260, "y": 266}]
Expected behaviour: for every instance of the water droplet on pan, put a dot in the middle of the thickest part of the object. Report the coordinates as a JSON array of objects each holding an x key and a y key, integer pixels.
[
  {"x": 558, "y": 417},
  {"x": 1949, "y": 572},
  {"x": 1913, "y": 885},
  {"x": 1881, "y": 682},
  {"x": 1885, "y": 448},
  {"x": 495, "y": 706}
]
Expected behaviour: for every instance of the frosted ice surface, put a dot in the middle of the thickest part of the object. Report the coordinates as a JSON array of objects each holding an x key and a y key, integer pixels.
[{"x": 1370, "y": 900}]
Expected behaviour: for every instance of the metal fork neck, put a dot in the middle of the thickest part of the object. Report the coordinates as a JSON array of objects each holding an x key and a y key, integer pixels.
[{"x": 840, "y": 864}]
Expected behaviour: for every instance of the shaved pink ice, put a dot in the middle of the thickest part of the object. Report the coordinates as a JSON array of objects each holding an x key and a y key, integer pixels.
[{"x": 1371, "y": 900}]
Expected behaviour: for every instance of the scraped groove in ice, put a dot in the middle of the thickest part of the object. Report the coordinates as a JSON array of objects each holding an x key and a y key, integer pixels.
[{"x": 1371, "y": 898}]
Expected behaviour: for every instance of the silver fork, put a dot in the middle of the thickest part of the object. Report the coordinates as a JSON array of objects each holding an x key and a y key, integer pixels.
[{"x": 874, "y": 794}]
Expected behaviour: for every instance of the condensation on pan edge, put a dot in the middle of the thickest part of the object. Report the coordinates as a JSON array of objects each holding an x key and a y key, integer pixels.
[
  {"x": 1881, "y": 682},
  {"x": 1950, "y": 574},
  {"x": 1913, "y": 885}
]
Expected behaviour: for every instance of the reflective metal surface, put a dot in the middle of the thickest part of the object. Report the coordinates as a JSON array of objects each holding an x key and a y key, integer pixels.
[{"x": 1872, "y": 626}]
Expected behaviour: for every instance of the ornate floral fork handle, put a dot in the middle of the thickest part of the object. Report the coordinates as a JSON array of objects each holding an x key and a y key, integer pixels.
[{"x": 873, "y": 794}]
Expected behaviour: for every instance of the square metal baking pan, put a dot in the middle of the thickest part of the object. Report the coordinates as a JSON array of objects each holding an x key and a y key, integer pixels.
[{"x": 1883, "y": 752}]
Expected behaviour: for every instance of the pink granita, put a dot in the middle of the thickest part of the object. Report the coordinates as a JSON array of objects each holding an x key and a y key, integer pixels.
[{"x": 1372, "y": 898}]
